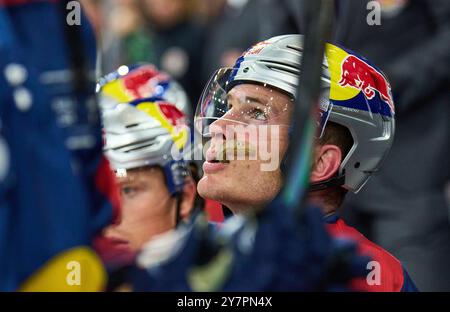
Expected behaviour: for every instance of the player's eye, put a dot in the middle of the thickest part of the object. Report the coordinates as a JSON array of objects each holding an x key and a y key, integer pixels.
[
  {"x": 128, "y": 190},
  {"x": 258, "y": 114}
]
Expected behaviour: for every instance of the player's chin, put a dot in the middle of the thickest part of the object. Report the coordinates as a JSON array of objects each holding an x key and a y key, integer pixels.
[
  {"x": 210, "y": 187},
  {"x": 204, "y": 187}
]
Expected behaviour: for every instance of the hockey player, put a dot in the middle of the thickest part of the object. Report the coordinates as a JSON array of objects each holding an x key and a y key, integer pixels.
[{"x": 246, "y": 112}]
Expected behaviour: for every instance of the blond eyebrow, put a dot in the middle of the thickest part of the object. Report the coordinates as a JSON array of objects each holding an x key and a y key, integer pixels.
[
  {"x": 249, "y": 99},
  {"x": 254, "y": 99}
]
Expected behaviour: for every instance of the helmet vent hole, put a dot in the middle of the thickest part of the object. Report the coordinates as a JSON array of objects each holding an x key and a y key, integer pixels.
[
  {"x": 295, "y": 48},
  {"x": 139, "y": 147},
  {"x": 131, "y": 126},
  {"x": 357, "y": 164},
  {"x": 246, "y": 69}
]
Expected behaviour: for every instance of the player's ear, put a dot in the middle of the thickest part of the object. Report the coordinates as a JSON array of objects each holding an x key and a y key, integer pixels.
[
  {"x": 188, "y": 198},
  {"x": 327, "y": 159}
]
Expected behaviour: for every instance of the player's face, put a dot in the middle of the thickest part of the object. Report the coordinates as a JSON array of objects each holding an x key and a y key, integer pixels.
[
  {"x": 147, "y": 209},
  {"x": 256, "y": 128}
]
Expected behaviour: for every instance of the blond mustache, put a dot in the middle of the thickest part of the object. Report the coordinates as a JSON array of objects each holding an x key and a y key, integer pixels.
[{"x": 231, "y": 151}]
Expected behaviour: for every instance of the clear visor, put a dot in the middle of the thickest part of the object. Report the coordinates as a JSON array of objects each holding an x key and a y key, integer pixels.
[
  {"x": 246, "y": 120},
  {"x": 244, "y": 104}
]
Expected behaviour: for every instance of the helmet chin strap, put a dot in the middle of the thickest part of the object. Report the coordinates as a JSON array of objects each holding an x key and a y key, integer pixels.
[
  {"x": 337, "y": 180},
  {"x": 175, "y": 172},
  {"x": 178, "y": 197}
]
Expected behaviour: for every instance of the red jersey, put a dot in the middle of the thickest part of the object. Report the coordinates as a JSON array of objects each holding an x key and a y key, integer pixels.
[{"x": 392, "y": 277}]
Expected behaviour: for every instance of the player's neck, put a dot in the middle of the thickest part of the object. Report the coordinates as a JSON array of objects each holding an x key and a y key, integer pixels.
[{"x": 317, "y": 198}]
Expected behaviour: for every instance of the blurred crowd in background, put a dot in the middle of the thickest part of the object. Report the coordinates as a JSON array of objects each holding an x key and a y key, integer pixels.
[{"x": 189, "y": 39}]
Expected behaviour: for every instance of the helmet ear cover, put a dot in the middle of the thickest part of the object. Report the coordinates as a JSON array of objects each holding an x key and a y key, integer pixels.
[{"x": 175, "y": 172}]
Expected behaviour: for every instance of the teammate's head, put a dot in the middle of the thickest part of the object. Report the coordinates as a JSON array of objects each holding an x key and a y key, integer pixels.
[
  {"x": 143, "y": 132},
  {"x": 356, "y": 123}
]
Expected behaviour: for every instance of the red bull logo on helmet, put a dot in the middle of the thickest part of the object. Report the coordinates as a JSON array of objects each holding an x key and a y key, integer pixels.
[
  {"x": 136, "y": 84},
  {"x": 357, "y": 74},
  {"x": 168, "y": 116},
  {"x": 255, "y": 49},
  {"x": 354, "y": 83},
  {"x": 143, "y": 81}
]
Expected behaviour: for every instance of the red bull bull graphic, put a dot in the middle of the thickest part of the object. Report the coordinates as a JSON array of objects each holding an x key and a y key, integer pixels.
[
  {"x": 256, "y": 48},
  {"x": 169, "y": 117},
  {"x": 356, "y": 84},
  {"x": 359, "y": 75},
  {"x": 143, "y": 81}
]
